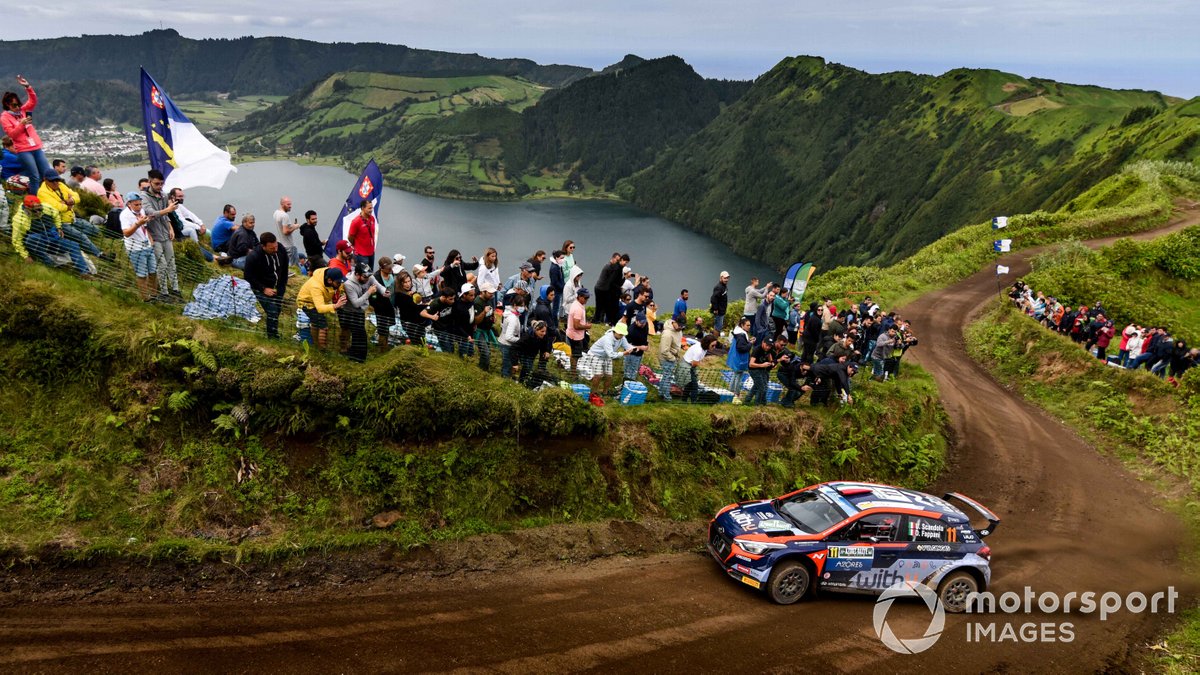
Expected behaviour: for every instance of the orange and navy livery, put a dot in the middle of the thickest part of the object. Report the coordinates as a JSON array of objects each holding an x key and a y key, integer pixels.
[{"x": 852, "y": 537}]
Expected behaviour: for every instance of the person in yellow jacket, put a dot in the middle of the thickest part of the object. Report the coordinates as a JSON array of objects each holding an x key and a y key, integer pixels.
[
  {"x": 321, "y": 295},
  {"x": 37, "y": 233},
  {"x": 56, "y": 196}
]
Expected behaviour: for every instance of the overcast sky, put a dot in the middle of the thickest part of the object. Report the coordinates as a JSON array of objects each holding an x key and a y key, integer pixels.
[{"x": 1115, "y": 43}]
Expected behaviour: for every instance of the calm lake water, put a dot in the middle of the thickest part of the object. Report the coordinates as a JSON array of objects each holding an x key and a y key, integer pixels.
[{"x": 673, "y": 256}]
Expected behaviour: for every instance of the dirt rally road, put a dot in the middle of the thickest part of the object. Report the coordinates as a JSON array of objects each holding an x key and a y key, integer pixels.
[{"x": 1073, "y": 520}]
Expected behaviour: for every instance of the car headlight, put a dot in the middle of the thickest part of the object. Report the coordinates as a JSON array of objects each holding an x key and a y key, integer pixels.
[{"x": 757, "y": 547}]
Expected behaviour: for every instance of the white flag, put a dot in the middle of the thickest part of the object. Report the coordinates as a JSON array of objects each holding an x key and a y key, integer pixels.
[
  {"x": 1001, "y": 269},
  {"x": 1002, "y": 245},
  {"x": 999, "y": 222}
]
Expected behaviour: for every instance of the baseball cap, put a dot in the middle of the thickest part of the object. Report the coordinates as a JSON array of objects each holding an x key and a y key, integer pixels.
[
  {"x": 525, "y": 266},
  {"x": 77, "y": 171},
  {"x": 51, "y": 175},
  {"x": 133, "y": 197},
  {"x": 32, "y": 201},
  {"x": 626, "y": 270},
  {"x": 343, "y": 245},
  {"x": 621, "y": 329},
  {"x": 487, "y": 287},
  {"x": 583, "y": 292},
  {"x": 724, "y": 274},
  {"x": 398, "y": 259},
  {"x": 362, "y": 268},
  {"x": 466, "y": 288},
  {"x": 334, "y": 274}
]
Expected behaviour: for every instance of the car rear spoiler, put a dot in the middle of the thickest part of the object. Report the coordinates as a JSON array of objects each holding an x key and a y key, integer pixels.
[{"x": 993, "y": 519}]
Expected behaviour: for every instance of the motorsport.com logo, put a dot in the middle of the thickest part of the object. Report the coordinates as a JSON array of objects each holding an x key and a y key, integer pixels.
[{"x": 1027, "y": 602}]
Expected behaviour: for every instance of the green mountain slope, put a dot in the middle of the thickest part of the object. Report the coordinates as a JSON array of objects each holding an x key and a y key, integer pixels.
[
  {"x": 356, "y": 113},
  {"x": 826, "y": 163},
  {"x": 609, "y": 126},
  {"x": 268, "y": 65},
  {"x": 494, "y": 136}
]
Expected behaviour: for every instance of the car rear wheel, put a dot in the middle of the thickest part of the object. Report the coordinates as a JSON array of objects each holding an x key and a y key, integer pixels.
[
  {"x": 789, "y": 582},
  {"x": 955, "y": 589}
]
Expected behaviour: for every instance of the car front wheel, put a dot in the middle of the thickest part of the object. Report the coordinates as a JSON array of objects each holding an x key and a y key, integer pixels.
[
  {"x": 955, "y": 589},
  {"x": 789, "y": 582}
]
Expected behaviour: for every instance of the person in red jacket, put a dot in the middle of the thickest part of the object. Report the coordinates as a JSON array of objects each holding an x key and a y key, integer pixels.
[
  {"x": 1104, "y": 336},
  {"x": 362, "y": 235},
  {"x": 17, "y": 121}
]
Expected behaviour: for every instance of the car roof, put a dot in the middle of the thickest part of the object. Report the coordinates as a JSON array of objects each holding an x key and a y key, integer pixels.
[{"x": 858, "y": 496}]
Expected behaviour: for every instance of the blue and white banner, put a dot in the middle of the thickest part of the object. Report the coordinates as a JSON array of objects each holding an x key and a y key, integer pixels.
[
  {"x": 176, "y": 146},
  {"x": 999, "y": 222},
  {"x": 1002, "y": 245},
  {"x": 1001, "y": 269},
  {"x": 370, "y": 188}
]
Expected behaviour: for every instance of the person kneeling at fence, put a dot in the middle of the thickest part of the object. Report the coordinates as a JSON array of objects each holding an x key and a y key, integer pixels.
[
  {"x": 598, "y": 362},
  {"x": 532, "y": 349},
  {"x": 267, "y": 272},
  {"x": 139, "y": 246},
  {"x": 317, "y": 299},
  {"x": 37, "y": 233},
  {"x": 692, "y": 357}
]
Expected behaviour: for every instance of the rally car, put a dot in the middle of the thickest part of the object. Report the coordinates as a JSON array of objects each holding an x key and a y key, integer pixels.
[{"x": 856, "y": 538}]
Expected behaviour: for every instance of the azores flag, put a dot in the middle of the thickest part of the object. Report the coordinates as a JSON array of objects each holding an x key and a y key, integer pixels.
[
  {"x": 999, "y": 222},
  {"x": 370, "y": 188},
  {"x": 1002, "y": 245},
  {"x": 177, "y": 148}
]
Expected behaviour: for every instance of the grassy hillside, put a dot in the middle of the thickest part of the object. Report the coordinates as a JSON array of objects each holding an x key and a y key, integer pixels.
[
  {"x": 1141, "y": 196},
  {"x": 129, "y": 431},
  {"x": 492, "y": 136},
  {"x": 823, "y": 162}
]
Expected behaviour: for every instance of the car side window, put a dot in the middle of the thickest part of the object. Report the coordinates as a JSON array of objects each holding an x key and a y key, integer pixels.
[
  {"x": 924, "y": 529},
  {"x": 877, "y": 526}
]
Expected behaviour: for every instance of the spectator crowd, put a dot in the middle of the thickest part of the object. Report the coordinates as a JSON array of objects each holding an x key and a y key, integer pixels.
[
  {"x": 1135, "y": 346},
  {"x": 532, "y": 318}
]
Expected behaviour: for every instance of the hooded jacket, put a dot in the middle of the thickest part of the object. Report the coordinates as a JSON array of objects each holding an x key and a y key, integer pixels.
[
  {"x": 739, "y": 351},
  {"x": 570, "y": 291}
]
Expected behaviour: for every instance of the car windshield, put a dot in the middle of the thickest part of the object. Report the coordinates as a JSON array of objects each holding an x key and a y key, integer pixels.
[{"x": 810, "y": 511}]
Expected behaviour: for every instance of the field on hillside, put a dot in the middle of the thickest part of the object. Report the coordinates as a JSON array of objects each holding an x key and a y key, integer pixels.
[{"x": 217, "y": 114}]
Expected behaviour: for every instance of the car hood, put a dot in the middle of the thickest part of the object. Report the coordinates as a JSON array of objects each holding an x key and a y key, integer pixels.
[{"x": 755, "y": 518}]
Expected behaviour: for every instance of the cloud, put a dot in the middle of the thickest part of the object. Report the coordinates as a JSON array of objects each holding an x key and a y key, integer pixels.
[{"x": 1125, "y": 43}]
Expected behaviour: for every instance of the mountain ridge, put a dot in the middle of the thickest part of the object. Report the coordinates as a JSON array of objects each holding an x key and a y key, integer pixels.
[{"x": 258, "y": 65}]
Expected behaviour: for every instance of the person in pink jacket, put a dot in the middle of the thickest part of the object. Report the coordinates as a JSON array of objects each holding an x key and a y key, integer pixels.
[{"x": 17, "y": 122}]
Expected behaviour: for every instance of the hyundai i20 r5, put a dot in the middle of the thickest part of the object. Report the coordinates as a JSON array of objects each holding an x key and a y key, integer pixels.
[{"x": 856, "y": 538}]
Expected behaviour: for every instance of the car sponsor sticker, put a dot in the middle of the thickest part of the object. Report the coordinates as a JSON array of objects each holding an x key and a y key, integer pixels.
[
  {"x": 859, "y": 552},
  {"x": 750, "y": 581},
  {"x": 743, "y": 519},
  {"x": 934, "y": 548}
]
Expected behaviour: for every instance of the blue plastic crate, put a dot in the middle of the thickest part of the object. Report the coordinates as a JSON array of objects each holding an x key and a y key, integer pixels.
[
  {"x": 582, "y": 391},
  {"x": 774, "y": 392},
  {"x": 633, "y": 393}
]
